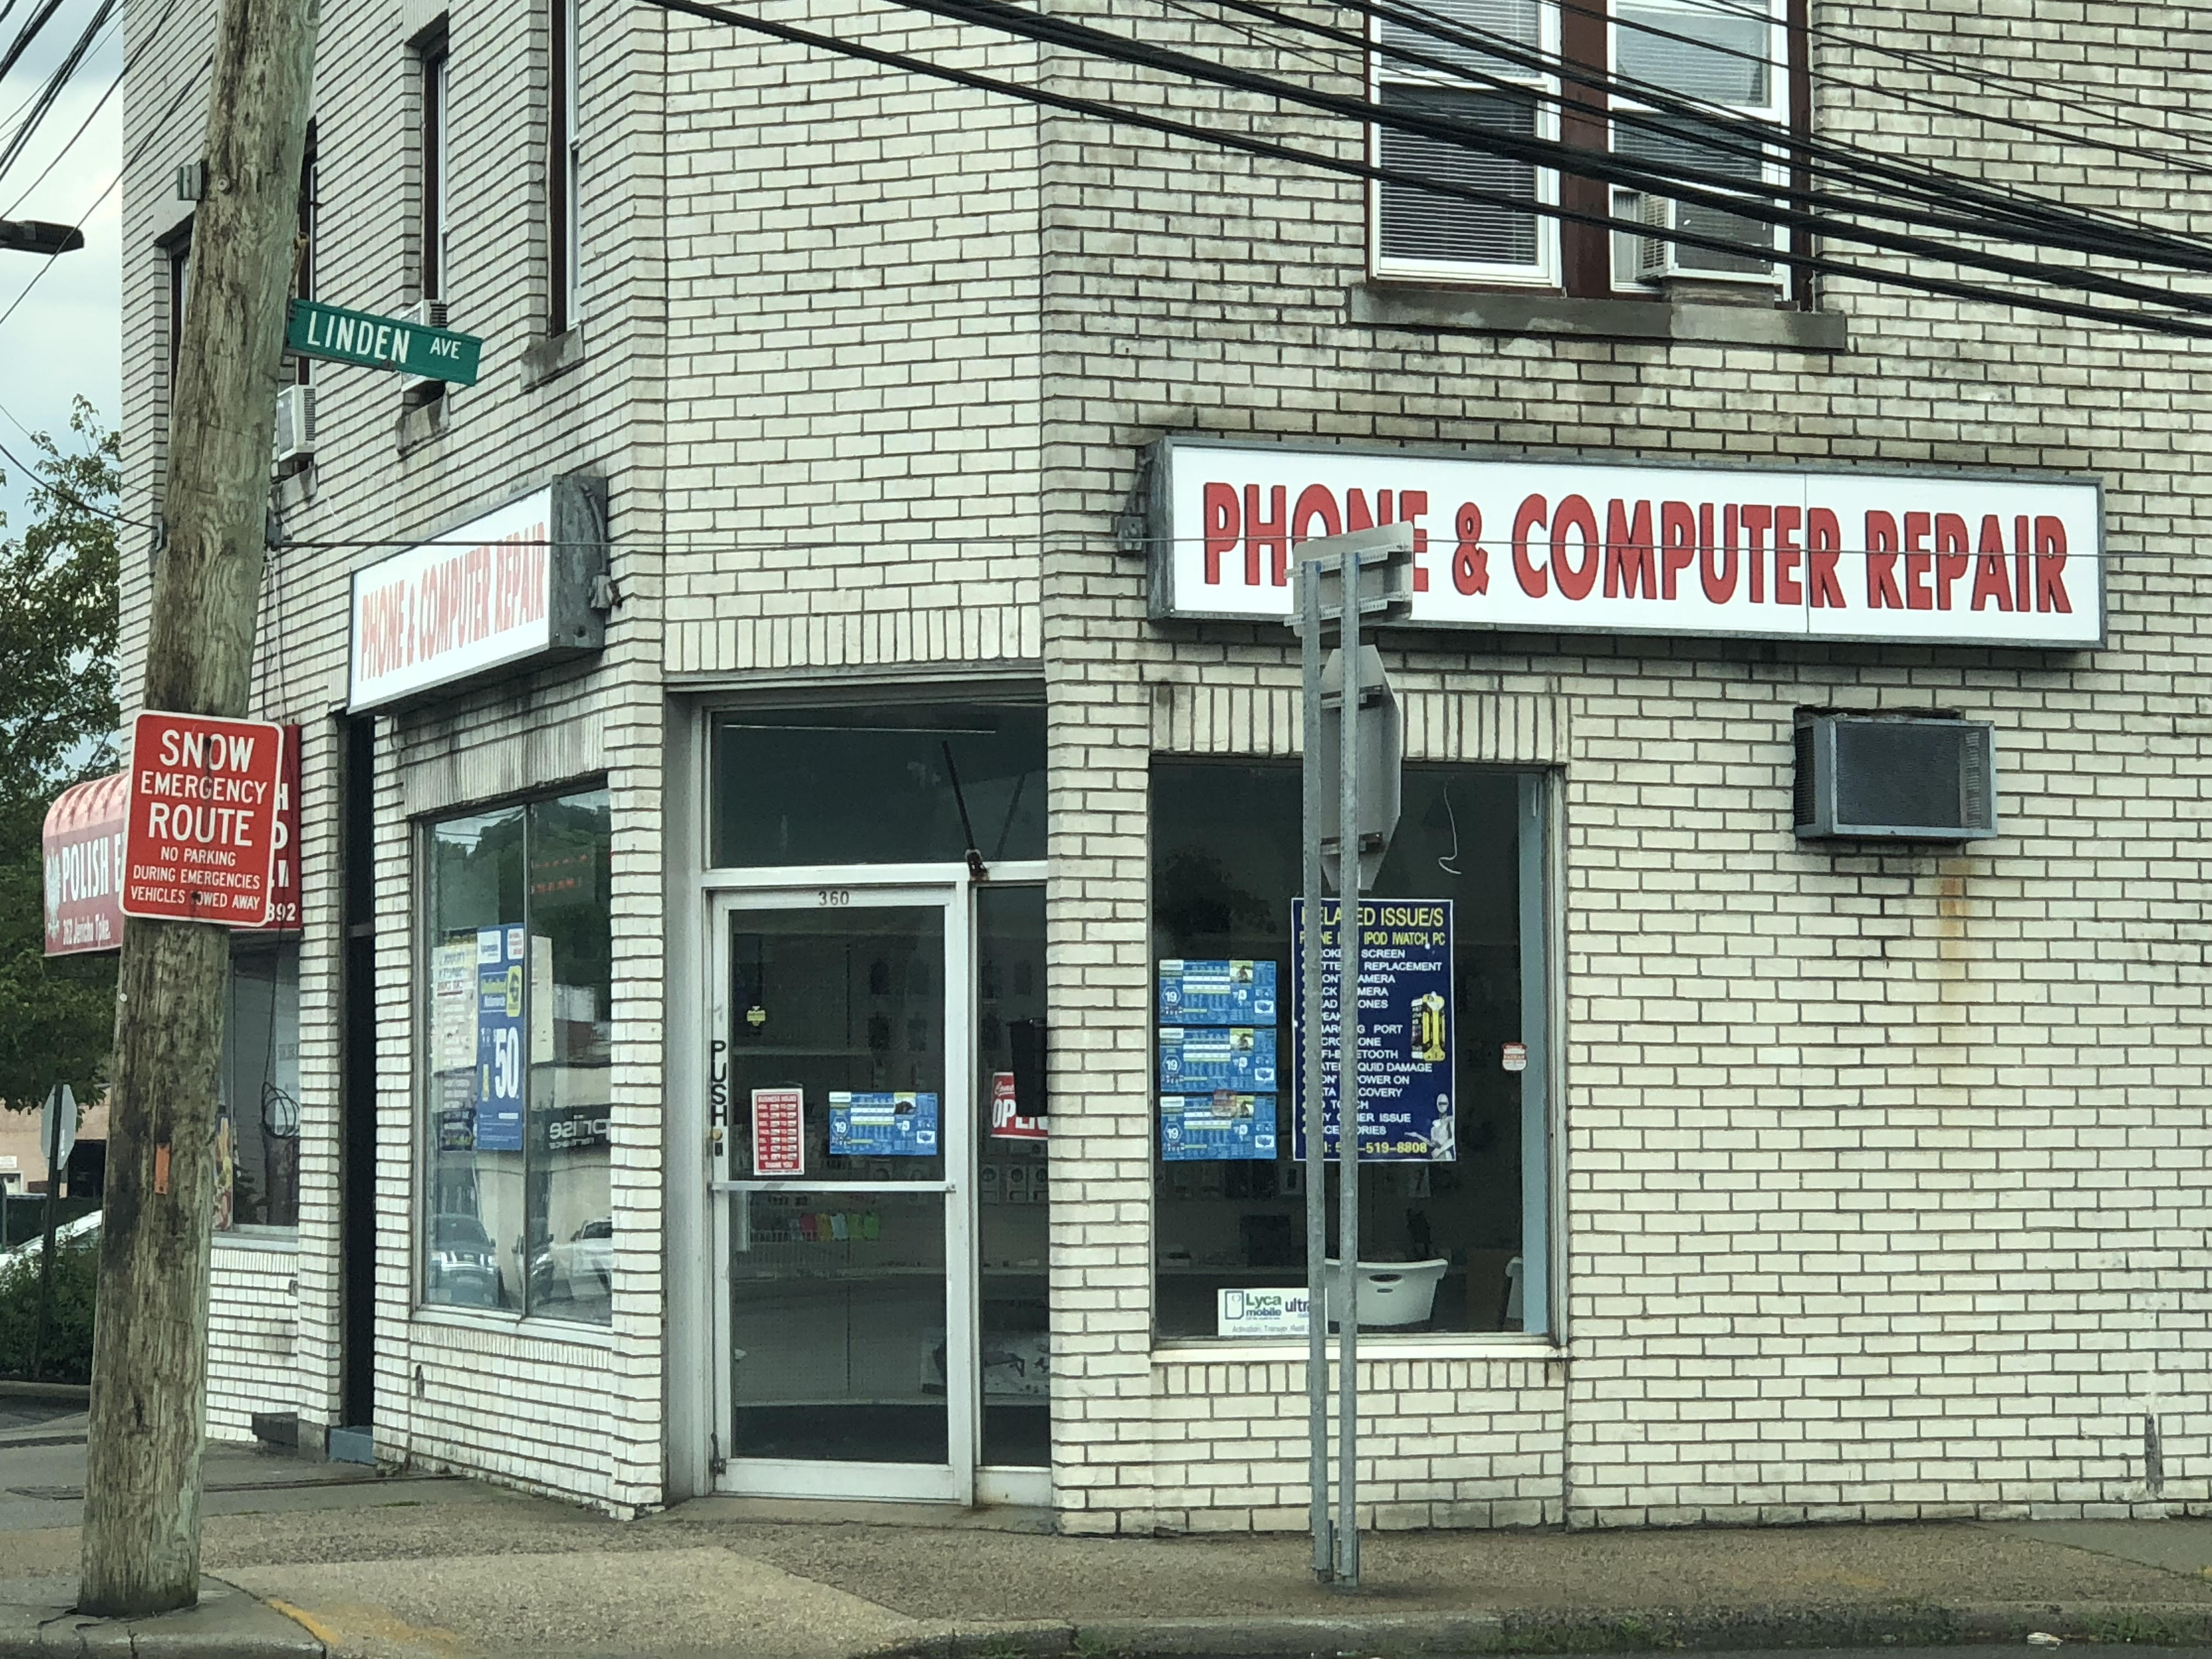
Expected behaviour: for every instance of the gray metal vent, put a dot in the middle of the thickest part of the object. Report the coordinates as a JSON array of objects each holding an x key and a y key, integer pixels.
[{"x": 1890, "y": 778}]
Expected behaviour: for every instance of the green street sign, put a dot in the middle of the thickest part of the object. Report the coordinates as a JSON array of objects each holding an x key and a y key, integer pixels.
[{"x": 338, "y": 336}]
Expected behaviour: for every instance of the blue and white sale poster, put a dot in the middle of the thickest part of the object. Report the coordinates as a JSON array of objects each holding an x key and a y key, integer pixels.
[
  {"x": 500, "y": 976},
  {"x": 1195, "y": 1059},
  {"x": 883, "y": 1125},
  {"x": 1217, "y": 992},
  {"x": 1197, "y": 1128},
  {"x": 1407, "y": 1097}
]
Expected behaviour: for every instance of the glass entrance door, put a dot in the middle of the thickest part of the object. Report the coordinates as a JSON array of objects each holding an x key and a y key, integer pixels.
[{"x": 843, "y": 1100}]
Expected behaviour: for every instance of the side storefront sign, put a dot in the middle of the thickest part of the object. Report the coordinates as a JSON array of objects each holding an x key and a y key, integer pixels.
[{"x": 514, "y": 589}]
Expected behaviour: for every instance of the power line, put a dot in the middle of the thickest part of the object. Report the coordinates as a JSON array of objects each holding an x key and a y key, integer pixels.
[
  {"x": 55, "y": 160},
  {"x": 1937, "y": 63},
  {"x": 131, "y": 61},
  {"x": 52, "y": 89},
  {"x": 1220, "y": 138},
  {"x": 153, "y": 132},
  {"x": 1695, "y": 187},
  {"x": 1830, "y": 157}
]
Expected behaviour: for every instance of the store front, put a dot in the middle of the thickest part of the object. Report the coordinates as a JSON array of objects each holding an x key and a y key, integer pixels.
[{"x": 876, "y": 1005}]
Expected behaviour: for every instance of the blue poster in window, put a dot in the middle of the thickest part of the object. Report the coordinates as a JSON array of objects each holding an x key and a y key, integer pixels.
[
  {"x": 1407, "y": 1098},
  {"x": 883, "y": 1126},
  {"x": 1196, "y": 1127},
  {"x": 1199, "y": 1059},
  {"x": 1217, "y": 992},
  {"x": 499, "y": 952}
]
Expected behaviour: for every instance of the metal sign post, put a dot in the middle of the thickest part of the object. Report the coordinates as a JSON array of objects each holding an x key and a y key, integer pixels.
[
  {"x": 1349, "y": 884},
  {"x": 58, "y": 1134},
  {"x": 1310, "y": 986},
  {"x": 1346, "y": 698}
]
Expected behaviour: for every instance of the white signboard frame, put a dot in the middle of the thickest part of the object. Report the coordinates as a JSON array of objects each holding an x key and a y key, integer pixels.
[
  {"x": 1578, "y": 546},
  {"x": 511, "y": 587}
]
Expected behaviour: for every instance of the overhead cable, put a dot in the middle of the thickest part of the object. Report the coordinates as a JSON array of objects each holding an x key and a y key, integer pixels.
[
  {"x": 1695, "y": 187},
  {"x": 55, "y": 82},
  {"x": 1117, "y": 114},
  {"x": 2045, "y": 221}
]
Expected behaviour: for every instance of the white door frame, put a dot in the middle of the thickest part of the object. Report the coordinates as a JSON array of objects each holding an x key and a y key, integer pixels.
[{"x": 873, "y": 887}]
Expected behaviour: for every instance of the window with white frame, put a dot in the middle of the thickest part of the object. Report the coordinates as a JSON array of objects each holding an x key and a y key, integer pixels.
[
  {"x": 1678, "y": 70},
  {"x": 564, "y": 233},
  {"x": 437, "y": 222}
]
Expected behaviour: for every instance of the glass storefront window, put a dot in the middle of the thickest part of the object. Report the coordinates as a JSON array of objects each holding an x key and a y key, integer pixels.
[
  {"x": 1444, "y": 1234},
  {"x": 517, "y": 1094},
  {"x": 258, "y": 1133},
  {"x": 899, "y": 785}
]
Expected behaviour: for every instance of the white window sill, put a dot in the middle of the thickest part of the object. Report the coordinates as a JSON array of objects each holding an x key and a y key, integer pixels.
[
  {"x": 539, "y": 1329},
  {"x": 1373, "y": 1345},
  {"x": 281, "y": 1241}
]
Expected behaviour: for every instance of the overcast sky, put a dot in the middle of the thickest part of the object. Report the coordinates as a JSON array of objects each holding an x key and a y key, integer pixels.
[{"x": 65, "y": 337}]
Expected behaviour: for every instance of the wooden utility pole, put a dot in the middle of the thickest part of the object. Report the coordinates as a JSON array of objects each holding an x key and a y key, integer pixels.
[{"x": 142, "y": 1502}]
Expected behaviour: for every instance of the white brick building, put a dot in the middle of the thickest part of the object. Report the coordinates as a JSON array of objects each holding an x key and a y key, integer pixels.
[{"x": 1846, "y": 1179}]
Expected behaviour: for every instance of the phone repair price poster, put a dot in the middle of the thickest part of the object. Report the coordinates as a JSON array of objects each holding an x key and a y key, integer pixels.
[
  {"x": 498, "y": 1039},
  {"x": 779, "y": 1132},
  {"x": 1406, "y": 1095},
  {"x": 883, "y": 1126}
]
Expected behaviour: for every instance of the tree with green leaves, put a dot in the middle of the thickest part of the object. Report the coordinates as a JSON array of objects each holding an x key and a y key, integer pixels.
[{"x": 58, "y": 725}]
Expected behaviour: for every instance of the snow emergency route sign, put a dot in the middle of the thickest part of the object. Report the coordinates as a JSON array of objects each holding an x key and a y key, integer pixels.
[{"x": 200, "y": 840}]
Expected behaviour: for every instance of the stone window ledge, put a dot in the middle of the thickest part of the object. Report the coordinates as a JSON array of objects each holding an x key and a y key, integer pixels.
[
  {"x": 554, "y": 355},
  {"x": 421, "y": 424},
  {"x": 1667, "y": 322}
]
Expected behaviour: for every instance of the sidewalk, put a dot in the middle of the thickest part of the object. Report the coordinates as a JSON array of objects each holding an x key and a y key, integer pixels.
[{"x": 331, "y": 1561}]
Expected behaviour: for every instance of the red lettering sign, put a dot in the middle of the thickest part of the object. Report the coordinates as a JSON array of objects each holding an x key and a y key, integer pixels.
[
  {"x": 1007, "y": 1123},
  {"x": 200, "y": 837}
]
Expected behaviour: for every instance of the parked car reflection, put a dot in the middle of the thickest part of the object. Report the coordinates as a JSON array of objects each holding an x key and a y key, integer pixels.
[
  {"x": 581, "y": 1267},
  {"x": 464, "y": 1266}
]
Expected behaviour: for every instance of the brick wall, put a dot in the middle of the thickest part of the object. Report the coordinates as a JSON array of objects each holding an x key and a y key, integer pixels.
[
  {"x": 1883, "y": 1175},
  {"x": 1882, "y": 1171}
]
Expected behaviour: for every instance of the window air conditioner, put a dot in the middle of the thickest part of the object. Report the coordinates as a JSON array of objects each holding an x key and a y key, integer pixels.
[
  {"x": 424, "y": 313},
  {"x": 1658, "y": 259},
  {"x": 1896, "y": 778},
  {"x": 296, "y": 424}
]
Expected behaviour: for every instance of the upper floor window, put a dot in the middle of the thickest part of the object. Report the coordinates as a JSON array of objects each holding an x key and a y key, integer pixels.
[
  {"x": 177, "y": 256},
  {"x": 297, "y": 368},
  {"x": 1523, "y": 67},
  {"x": 563, "y": 221},
  {"x": 436, "y": 220}
]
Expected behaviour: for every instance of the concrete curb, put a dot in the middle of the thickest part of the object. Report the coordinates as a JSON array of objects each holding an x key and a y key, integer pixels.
[
  {"x": 227, "y": 1624},
  {"x": 2163, "y": 1624},
  {"x": 67, "y": 1393}
]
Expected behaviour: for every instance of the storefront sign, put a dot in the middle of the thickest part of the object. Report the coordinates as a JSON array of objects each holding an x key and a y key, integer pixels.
[
  {"x": 1198, "y": 1128},
  {"x": 883, "y": 1125},
  {"x": 512, "y": 589},
  {"x": 1262, "y": 1313},
  {"x": 200, "y": 837},
  {"x": 1217, "y": 992},
  {"x": 83, "y": 840},
  {"x": 1007, "y": 1123},
  {"x": 779, "y": 1132},
  {"x": 1196, "y": 1059},
  {"x": 1588, "y": 547},
  {"x": 500, "y": 956},
  {"x": 1406, "y": 1111}
]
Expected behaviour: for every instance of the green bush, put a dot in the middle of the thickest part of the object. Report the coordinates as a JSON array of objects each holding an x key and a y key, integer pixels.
[{"x": 68, "y": 1356}]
